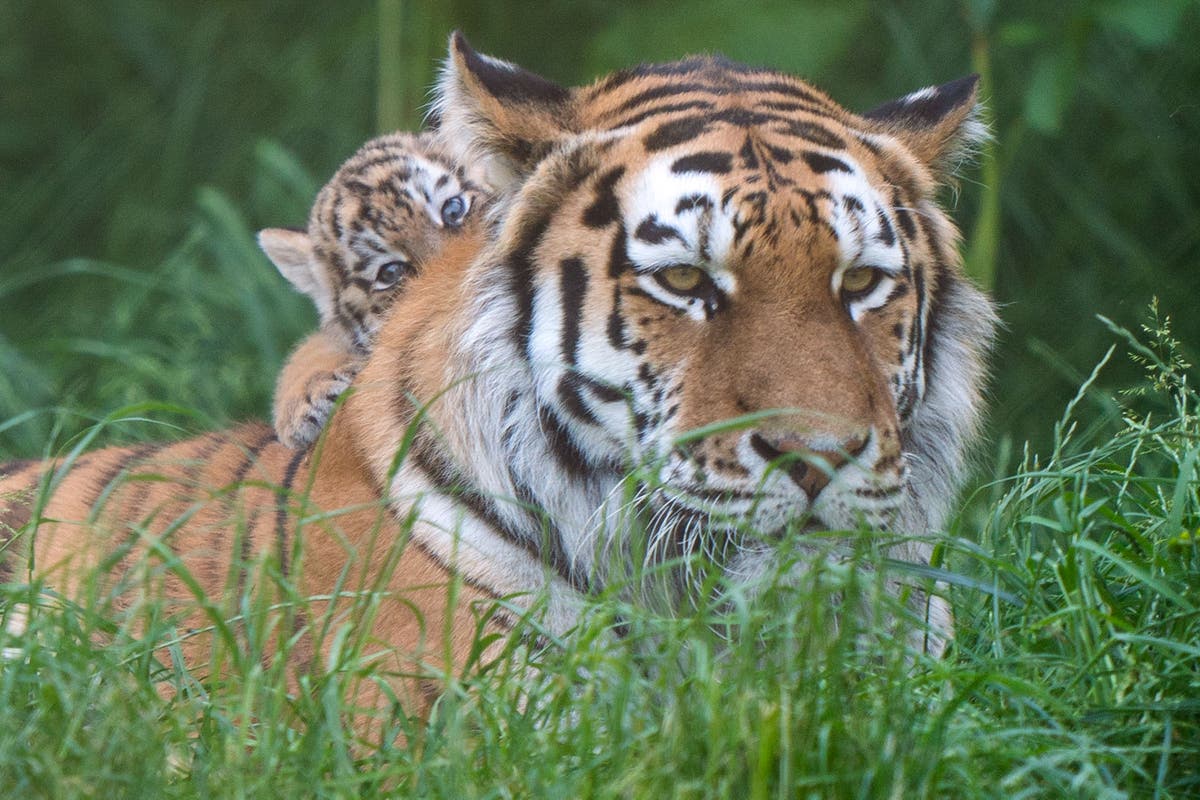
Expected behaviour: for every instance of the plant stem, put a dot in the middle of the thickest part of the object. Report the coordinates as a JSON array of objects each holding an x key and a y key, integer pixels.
[
  {"x": 985, "y": 238},
  {"x": 390, "y": 103}
]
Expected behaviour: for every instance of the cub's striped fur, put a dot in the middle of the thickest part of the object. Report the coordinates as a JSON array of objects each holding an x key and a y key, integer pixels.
[
  {"x": 381, "y": 217},
  {"x": 673, "y": 246}
]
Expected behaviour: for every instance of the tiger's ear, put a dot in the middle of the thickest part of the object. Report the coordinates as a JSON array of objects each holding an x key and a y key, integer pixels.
[
  {"x": 292, "y": 254},
  {"x": 941, "y": 125},
  {"x": 495, "y": 114}
]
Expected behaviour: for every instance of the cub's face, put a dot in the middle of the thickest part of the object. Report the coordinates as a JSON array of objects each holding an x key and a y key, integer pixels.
[
  {"x": 725, "y": 275},
  {"x": 387, "y": 211}
]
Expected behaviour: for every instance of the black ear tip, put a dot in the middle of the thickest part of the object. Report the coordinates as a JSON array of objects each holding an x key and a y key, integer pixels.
[
  {"x": 960, "y": 89},
  {"x": 459, "y": 43}
]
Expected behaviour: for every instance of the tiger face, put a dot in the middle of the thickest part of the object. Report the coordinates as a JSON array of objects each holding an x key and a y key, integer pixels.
[
  {"x": 719, "y": 275},
  {"x": 742, "y": 271},
  {"x": 379, "y": 219}
]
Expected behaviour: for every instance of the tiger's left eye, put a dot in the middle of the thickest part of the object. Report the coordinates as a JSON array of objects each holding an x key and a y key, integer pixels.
[
  {"x": 454, "y": 211},
  {"x": 683, "y": 279},
  {"x": 859, "y": 282}
]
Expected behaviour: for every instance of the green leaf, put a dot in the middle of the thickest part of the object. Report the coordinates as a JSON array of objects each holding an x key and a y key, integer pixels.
[
  {"x": 1152, "y": 24},
  {"x": 1050, "y": 90}
]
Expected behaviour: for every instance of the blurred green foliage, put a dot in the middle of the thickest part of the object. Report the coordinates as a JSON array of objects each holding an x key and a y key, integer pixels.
[{"x": 142, "y": 143}]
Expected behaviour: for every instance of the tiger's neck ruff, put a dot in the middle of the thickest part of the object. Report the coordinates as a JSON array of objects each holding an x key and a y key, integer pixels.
[{"x": 675, "y": 246}]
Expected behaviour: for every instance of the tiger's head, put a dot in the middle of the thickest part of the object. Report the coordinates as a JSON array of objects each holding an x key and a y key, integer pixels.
[
  {"x": 671, "y": 248},
  {"x": 691, "y": 243}
]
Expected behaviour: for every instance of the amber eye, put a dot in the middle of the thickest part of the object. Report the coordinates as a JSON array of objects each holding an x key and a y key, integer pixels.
[
  {"x": 858, "y": 282},
  {"x": 454, "y": 211},
  {"x": 389, "y": 274},
  {"x": 683, "y": 279}
]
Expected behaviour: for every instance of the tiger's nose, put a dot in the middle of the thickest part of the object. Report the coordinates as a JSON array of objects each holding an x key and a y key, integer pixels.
[{"x": 810, "y": 477}]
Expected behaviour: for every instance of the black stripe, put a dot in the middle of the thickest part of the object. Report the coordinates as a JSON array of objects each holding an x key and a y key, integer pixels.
[
  {"x": 791, "y": 106},
  {"x": 663, "y": 110},
  {"x": 749, "y": 159},
  {"x": 618, "y": 256},
  {"x": 687, "y": 66},
  {"x": 449, "y": 481},
  {"x": 562, "y": 446},
  {"x": 898, "y": 291},
  {"x": 550, "y": 545},
  {"x": 616, "y": 321},
  {"x": 785, "y": 88},
  {"x": 780, "y": 154},
  {"x": 603, "y": 391},
  {"x": 573, "y": 283},
  {"x": 886, "y": 234},
  {"x": 651, "y": 231},
  {"x": 249, "y": 459},
  {"x": 666, "y": 90},
  {"x": 921, "y": 338},
  {"x": 282, "y": 494},
  {"x": 676, "y": 132},
  {"x": 817, "y": 134},
  {"x": 568, "y": 391},
  {"x": 707, "y": 161},
  {"x": 821, "y": 163},
  {"x": 692, "y": 202},
  {"x": 903, "y": 216},
  {"x": 136, "y": 454},
  {"x": 605, "y": 208},
  {"x": 521, "y": 271},
  {"x": 11, "y": 469}
]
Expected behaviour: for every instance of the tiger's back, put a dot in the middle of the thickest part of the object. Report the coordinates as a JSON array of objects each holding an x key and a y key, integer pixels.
[{"x": 199, "y": 530}]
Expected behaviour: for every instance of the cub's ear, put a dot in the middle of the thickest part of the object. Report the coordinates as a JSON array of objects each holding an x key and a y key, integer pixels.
[
  {"x": 292, "y": 254},
  {"x": 495, "y": 114},
  {"x": 941, "y": 125}
]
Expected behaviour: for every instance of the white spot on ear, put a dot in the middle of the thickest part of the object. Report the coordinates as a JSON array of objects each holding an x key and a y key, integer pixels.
[{"x": 928, "y": 93}]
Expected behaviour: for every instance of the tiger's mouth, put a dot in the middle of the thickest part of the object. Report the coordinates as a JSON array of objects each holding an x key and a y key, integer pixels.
[{"x": 760, "y": 510}]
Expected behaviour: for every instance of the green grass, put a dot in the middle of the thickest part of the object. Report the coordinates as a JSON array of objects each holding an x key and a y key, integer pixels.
[{"x": 1075, "y": 672}]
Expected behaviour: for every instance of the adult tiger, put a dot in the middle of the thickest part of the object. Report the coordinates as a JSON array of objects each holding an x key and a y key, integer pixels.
[{"x": 673, "y": 246}]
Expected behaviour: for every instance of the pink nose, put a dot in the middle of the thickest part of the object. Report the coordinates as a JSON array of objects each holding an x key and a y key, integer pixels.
[{"x": 811, "y": 478}]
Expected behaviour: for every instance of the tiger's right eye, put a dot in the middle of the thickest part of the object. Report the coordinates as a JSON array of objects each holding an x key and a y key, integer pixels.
[{"x": 389, "y": 274}]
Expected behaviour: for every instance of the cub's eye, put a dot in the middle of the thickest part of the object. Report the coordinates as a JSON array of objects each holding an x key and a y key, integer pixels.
[
  {"x": 454, "y": 211},
  {"x": 389, "y": 274},
  {"x": 859, "y": 282},
  {"x": 683, "y": 279}
]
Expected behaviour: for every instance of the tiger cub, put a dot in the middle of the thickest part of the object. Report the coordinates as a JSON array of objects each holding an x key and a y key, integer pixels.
[{"x": 386, "y": 211}]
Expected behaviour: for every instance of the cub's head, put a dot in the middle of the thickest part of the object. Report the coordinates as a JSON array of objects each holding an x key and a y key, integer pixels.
[
  {"x": 687, "y": 244},
  {"x": 385, "y": 212}
]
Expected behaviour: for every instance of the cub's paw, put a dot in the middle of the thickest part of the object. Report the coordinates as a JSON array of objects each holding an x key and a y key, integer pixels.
[{"x": 299, "y": 422}]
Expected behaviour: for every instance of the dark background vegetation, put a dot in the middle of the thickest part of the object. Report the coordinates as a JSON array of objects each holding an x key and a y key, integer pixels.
[{"x": 142, "y": 143}]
